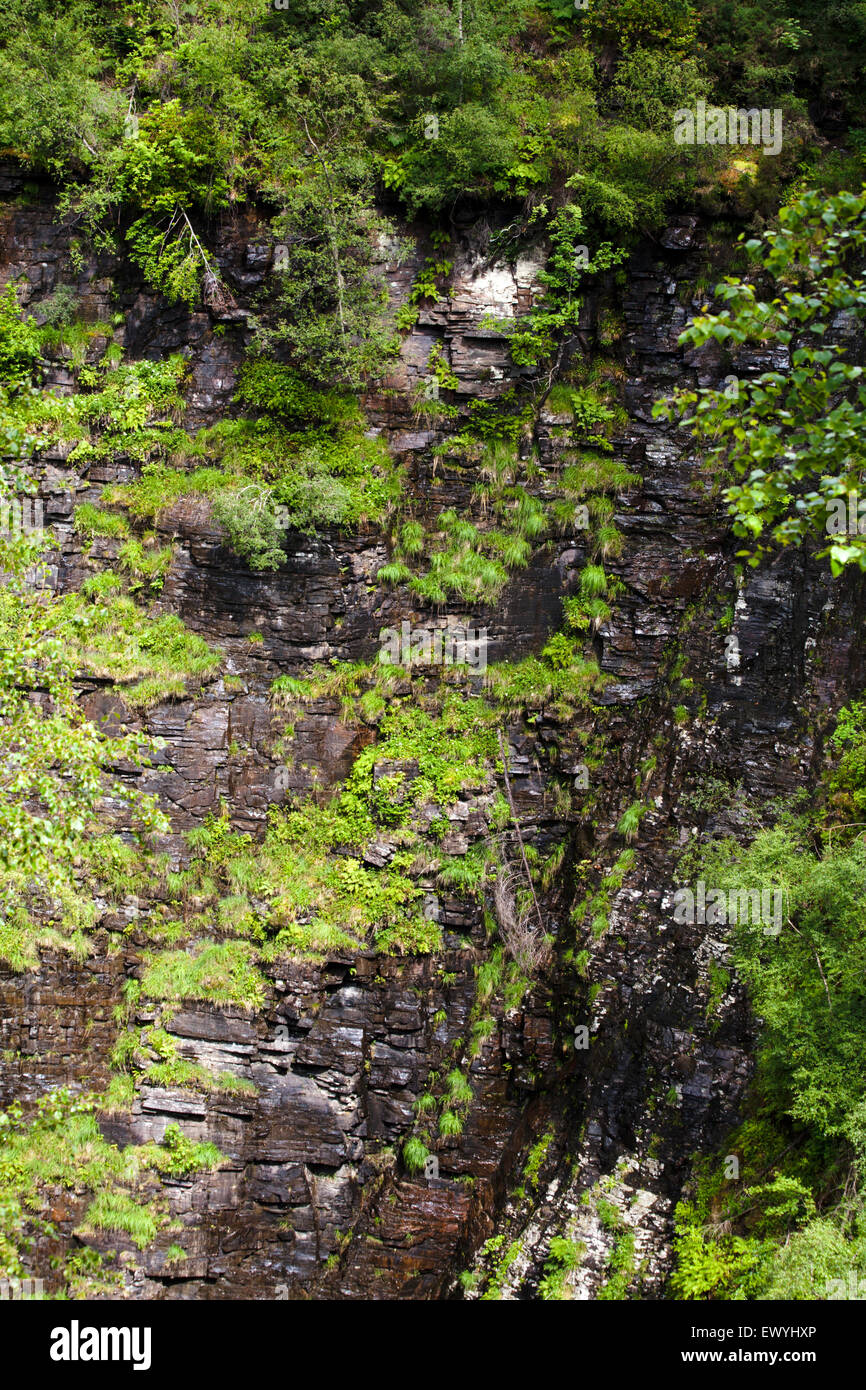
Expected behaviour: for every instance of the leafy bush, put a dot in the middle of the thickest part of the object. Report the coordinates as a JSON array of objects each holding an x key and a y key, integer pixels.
[
  {"x": 20, "y": 344},
  {"x": 801, "y": 455},
  {"x": 253, "y": 530},
  {"x": 796, "y": 1219}
]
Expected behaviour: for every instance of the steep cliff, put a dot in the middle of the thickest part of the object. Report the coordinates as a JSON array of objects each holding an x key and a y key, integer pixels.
[{"x": 315, "y": 1082}]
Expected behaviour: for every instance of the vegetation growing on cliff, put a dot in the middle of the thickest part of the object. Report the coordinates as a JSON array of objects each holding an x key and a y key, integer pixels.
[
  {"x": 57, "y": 763},
  {"x": 306, "y": 889},
  {"x": 60, "y": 1146},
  {"x": 790, "y": 1222},
  {"x": 795, "y": 434},
  {"x": 161, "y": 120},
  {"x": 168, "y": 125}
]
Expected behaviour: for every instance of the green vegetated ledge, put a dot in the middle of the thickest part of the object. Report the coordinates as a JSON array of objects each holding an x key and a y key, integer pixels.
[
  {"x": 304, "y": 462},
  {"x": 278, "y": 472},
  {"x": 59, "y": 1149},
  {"x": 519, "y": 507}
]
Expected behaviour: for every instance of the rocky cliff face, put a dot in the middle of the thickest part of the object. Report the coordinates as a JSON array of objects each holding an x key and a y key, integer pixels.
[{"x": 313, "y": 1201}]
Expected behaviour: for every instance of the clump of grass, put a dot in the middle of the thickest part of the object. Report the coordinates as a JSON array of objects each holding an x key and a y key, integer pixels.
[
  {"x": 464, "y": 874},
  {"x": 159, "y": 487},
  {"x": 412, "y": 538},
  {"x": 185, "y": 1155},
  {"x": 118, "y": 1211},
  {"x": 465, "y": 561},
  {"x": 119, "y": 1096},
  {"x": 395, "y": 572},
  {"x": 145, "y": 563},
  {"x": 149, "y": 658},
  {"x": 415, "y": 1154},
  {"x": 531, "y": 683},
  {"x": 629, "y": 822},
  {"x": 459, "y": 1089},
  {"x": 93, "y": 521},
  {"x": 450, "y": 1124},
  {"x": 219, "y": 974},
  {"x": 185, "y": 1075},
  {"x": 593, "y": 582}
]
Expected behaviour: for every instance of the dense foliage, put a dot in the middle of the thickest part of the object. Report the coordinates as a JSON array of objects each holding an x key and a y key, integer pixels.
[
  {"x": 162, "y": 118},
  {"x": 791, "y": 1221},
  {"x": 798, "y": 431}
]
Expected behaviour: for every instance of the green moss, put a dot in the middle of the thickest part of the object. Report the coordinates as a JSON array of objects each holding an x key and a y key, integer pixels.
[{"x": 720, "y": 981}]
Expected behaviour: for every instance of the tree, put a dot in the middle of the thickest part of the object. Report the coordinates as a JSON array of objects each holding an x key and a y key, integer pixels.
[
  {"x": 329, "y": 312},
  {"x": 797, "y": 435}
]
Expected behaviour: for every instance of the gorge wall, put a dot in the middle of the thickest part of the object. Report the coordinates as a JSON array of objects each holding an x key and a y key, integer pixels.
[{"x": 313, "y": 1199}]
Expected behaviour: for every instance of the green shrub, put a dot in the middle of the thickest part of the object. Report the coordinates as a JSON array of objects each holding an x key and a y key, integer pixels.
[{"x": 253, "y": 530}]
